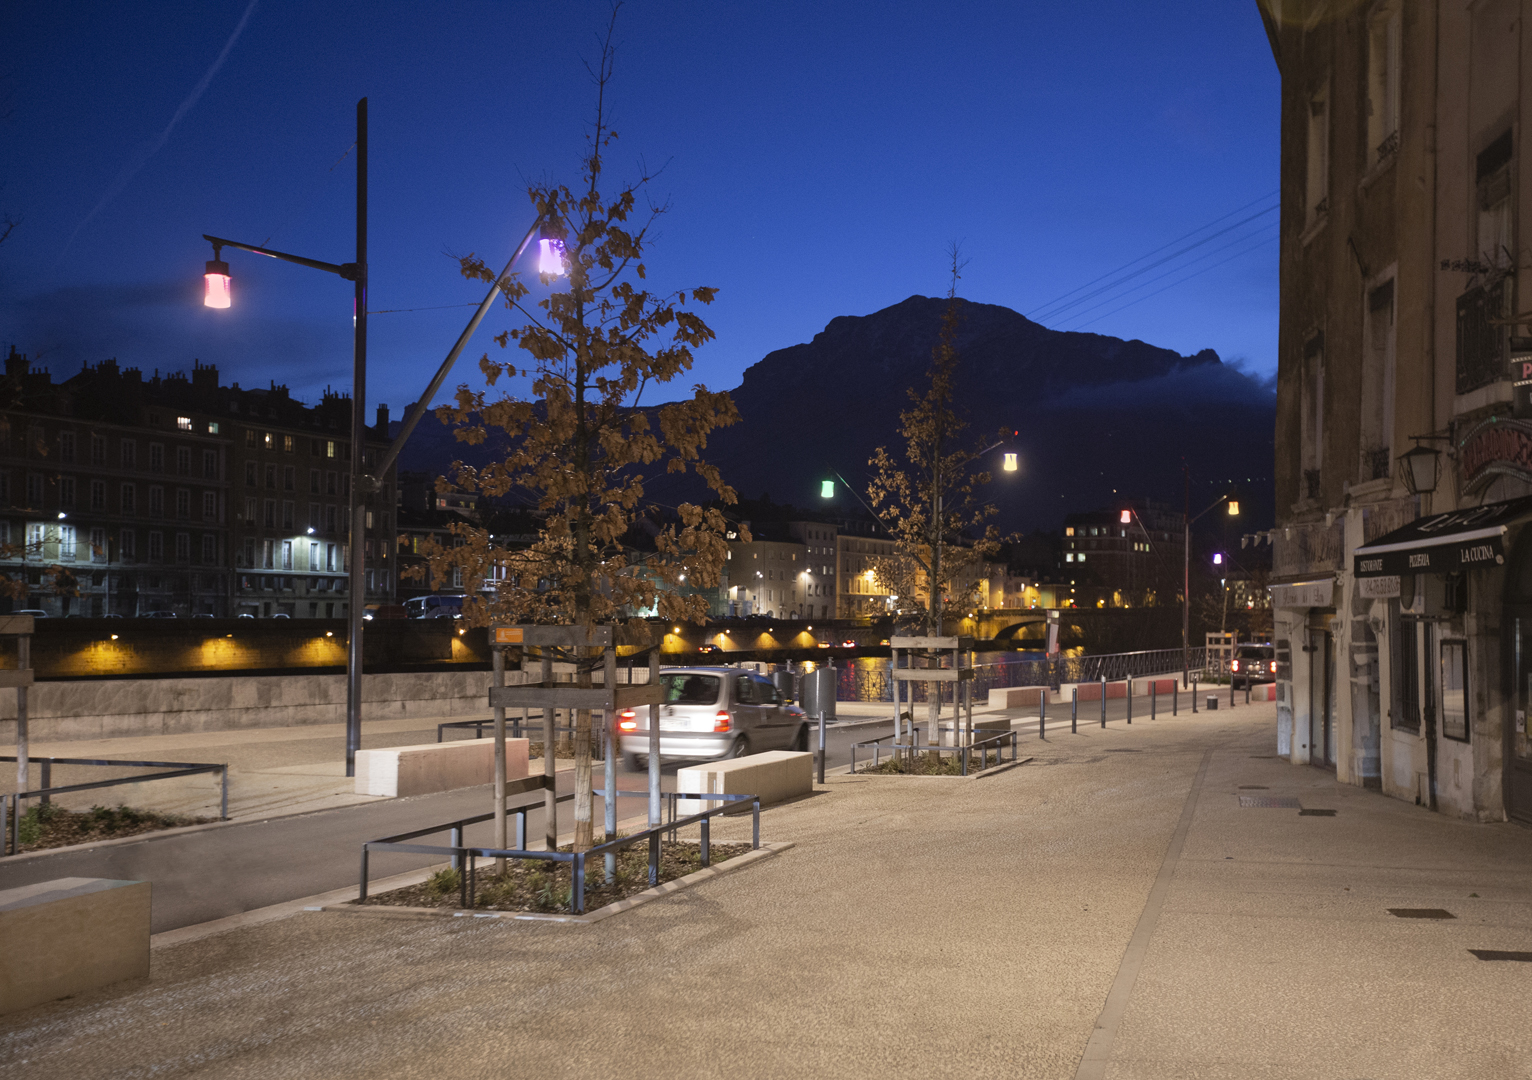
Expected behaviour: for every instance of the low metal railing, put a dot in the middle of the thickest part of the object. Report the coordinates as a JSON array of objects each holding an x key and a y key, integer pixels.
[
  {"x": 997, "y": 740},
  {"x": 461, "y": 854},
  {"x": 10, "y": 804}
]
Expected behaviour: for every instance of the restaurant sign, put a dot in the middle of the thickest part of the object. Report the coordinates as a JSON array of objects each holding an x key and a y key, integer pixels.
[
  {"x": 1304, "y": 594},
  {"x": 1443, "y": 543},
  {"x": 1499, "y": 446}
]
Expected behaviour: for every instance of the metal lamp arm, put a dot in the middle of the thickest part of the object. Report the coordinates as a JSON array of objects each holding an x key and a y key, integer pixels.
[
  {"x": 446, "y": 366},
  {"x": 345, "y": 270}
]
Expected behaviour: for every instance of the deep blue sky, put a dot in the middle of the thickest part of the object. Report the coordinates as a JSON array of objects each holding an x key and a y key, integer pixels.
[{"x": 819, "y": 159}]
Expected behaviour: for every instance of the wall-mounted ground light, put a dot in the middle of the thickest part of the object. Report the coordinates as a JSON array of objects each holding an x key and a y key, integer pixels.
[
  {"x": 327, "y": 633},
  {"x": 114, "y": 637}
]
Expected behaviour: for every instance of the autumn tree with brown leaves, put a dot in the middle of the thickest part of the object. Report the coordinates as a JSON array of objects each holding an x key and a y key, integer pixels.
[{"x": 582, "y": 452}]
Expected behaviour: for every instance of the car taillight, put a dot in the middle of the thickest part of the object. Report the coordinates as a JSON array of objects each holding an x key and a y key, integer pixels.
[
  {"x": 722, "y": 721},
  {"x": 1273, "y": 667},
  {"x": 1236, "y": 665},
  {"x": 627, "y": 720}
]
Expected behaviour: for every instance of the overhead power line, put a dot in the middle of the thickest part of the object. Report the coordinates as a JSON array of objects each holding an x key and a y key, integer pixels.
[{"x": 1173, "y": 284}]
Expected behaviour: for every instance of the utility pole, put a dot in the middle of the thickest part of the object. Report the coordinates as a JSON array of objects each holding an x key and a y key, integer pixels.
[{"x": 1186, "y": 577}]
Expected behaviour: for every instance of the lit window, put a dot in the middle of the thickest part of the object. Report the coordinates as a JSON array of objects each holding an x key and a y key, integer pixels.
[
  {"x": 270, "y": 440},
  {"x": 1070, "y": 531},
  {"x": 184, "y": 423},
  {"x": 212, "y": 427}
]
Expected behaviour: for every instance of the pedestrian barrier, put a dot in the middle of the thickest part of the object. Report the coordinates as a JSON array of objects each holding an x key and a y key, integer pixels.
[
  {"x": 10, "y": 804},
  {"x": 997, "y": 741},
  {"x": 579, "y": 860}
]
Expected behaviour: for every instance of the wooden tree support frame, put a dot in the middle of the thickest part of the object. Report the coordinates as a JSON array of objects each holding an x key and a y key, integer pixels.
[
  {"x": 961, "y": 672},
  {"x": 19, "y": 627},
  {"x": 545, "y": 694}
]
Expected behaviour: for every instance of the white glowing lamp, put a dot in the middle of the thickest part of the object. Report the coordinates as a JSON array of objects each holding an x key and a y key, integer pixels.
[
  {"x": 1127, "y": 517},
  {"x": 216, "y": 294},
  {"x": 550, "y": 256},
  {"x": 1010, "y": 463}
]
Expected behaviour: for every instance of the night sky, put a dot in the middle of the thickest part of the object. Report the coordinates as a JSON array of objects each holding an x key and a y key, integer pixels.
[{"x": 818, "y": 158}]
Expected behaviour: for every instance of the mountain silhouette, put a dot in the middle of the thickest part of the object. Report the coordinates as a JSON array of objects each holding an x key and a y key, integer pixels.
[{"x": 1096, "y": 419}]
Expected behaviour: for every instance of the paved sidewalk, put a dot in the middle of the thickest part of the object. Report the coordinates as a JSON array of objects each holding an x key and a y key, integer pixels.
[{"x": 1111, "y": 897}]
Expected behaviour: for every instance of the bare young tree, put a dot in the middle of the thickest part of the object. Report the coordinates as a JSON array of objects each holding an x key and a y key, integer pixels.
[
  {"x": 929, "y": 501},
  {"x": 582, "y": 450}
]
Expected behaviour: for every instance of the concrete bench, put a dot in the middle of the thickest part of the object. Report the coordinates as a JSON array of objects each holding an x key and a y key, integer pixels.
[
  {"x": 773, "y": 776},
  {"x": 400, "y": 771},
  {"x": 1026, "y": 697},
  {"x": 70, "y": 935}
]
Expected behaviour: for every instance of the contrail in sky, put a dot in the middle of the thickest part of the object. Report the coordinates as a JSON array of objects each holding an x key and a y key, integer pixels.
[{"x": 149, "y": 149}]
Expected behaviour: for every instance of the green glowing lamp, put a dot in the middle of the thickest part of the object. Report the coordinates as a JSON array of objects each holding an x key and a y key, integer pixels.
[{"x": 827, "y": 489}]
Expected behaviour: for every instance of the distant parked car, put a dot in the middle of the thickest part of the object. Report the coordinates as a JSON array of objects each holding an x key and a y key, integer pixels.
[
  {"x": 36, "y": 613},
  {"x": 242, "y": 615},
  {"x": 280, "y": 615},
  {"x": 158, "y": 615},
  {"x": 725, "y": 713},
  {"x": 1253, "y": 664},
  {"x": 202, "y": 615},
  {"x": 708, "y": 649}
]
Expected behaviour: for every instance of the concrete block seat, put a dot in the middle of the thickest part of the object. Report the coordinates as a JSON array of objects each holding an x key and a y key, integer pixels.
[
  {"x": 774, "y": 776},
  {"x": 69, "y": 935},
  {"x": 401, "y": 771}
]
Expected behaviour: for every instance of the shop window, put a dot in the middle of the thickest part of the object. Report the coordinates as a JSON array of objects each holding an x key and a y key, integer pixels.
[
  {"x": 1452, "y": 678},
  {"x": 1406, "y": 664}
]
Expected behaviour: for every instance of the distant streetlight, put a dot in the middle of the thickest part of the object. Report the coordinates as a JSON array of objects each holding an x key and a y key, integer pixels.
[
  {"x": 1217, "y": 558},
  {"x": 216, "y": 294},
  {"x": 1126, "y": 517},
  {"x": 827, "y": 489},
  {"x": 1186, "y": 573},
  {"x": 1234, "y": 508},
  {"x": 1010, "y": 462}
]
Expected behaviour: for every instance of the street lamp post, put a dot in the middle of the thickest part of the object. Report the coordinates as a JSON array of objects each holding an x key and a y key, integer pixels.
[
  {"x": 1186, "y": 572},
  {"x": 364, "y": 481}
]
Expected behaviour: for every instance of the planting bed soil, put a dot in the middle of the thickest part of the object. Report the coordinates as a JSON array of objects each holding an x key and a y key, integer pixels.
[
  {"x": 52, "y": 826},
  {"x": 538, "y": 886},
  {"x": 925, "y": 764}
]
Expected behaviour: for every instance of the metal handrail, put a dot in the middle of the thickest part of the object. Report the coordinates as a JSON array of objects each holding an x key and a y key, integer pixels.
[
  {"x": 10, "y": 804},
  {"x": 461, "y": 853},
  {"x": 962, "y": 748}
]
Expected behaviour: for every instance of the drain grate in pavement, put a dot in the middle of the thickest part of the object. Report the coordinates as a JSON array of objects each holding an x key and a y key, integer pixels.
[
  {"x": 1268, "y": 802},
  {"x": 1498, "y": 954},
  {"x": 1121, "y": 750},
  {"x": 1263, "y": 757},
  {"x": 1316, "y": 813},
  {"x": 1421, "y": 913},
  {"x": 1254, "y": 787}
]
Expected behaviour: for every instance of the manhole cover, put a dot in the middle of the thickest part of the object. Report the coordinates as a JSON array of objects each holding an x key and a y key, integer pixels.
[
  {"x": 1316, "y": 813},
  {"x": 1268, "y": 802},
  {"x": 1254, "y": 787},
  {"x": 1498, "y": 954},
  {"x": 1421, "y": 913}
]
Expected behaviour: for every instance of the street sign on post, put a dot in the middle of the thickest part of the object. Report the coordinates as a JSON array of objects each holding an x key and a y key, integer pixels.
[{"x": 819, "y": 700}]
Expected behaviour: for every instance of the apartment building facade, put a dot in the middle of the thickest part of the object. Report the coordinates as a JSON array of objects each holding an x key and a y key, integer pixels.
[{"x": 1402, "y": 565}]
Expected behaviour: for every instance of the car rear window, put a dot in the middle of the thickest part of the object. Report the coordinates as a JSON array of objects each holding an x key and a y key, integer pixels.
[
  {"x": 683, "y": 689},
  {"x": 1256, "y": 652}
]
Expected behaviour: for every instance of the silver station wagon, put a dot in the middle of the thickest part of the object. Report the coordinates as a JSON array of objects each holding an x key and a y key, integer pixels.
[{"x": 711, "y": 713}]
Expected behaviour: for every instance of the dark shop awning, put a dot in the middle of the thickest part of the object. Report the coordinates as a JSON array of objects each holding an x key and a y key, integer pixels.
[{"x": 1443, "y": 543}]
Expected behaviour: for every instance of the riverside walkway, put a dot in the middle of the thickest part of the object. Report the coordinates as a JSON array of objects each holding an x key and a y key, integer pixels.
[{"x": 1109, "y": 910}]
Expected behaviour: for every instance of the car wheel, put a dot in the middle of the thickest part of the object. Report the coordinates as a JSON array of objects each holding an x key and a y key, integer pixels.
[
  {"x": 638, "y": 762},
  {"x": 741, "y": 747},
  {"x": 801, "y": 743}
]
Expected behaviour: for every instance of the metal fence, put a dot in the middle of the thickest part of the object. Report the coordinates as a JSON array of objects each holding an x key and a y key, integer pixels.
[
  {"x": 861, "y": 681},
  {"x": 10, "y": 805}
]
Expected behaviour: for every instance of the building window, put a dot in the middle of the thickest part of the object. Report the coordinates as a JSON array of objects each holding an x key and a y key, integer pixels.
[
  {"x": 66, "y": 543},
  {"x": 251, "y": 440},
  {"x": 209, "y": 549},
  {"x": 66, "y": 447},
  {"x": 1453, "y": 683},
  {"x": 156, "y": 501},
  {"x": 314, "y": 556},
  {"x": 1383, "y": 56},
  {"x": 1405, "y": 643},
  {"x": 329, "y": 558},
  {"x": 98, "y": 451},
  {"x": 1317, "y": 182},
  {"x": 1378, "y": 384},
  {"x": 269, "y": 440},
  {"x": 289, "y": 479},
  {"x": 98, "y": 495},
  {"x": 183, "y": 547},
  {"x": 183, "y": 461},
  {"x": 249, "y": 551},
  {"x": 1493, "y": 202},
  {"x": 129, "y": 499},
  {"x": 251, "y": 479},
  {"x": 183, "y": 503},
  {"x": 1312, "y": 416},
  {"x": 271, "y": 476},
  {"x": 252, "y": 511},
  {"x": 287, "y": 514},
  {"x": 329, "y": 448},
  {"x": 212, "y": 427},
  {"x": 125, "y": 545},
  {"x": 66, "y": 492},
  {"x": 210, "y": 464},
  {"x": 270, "y": 520},
  {"x": 329, "y": 519},
  {"x": 316, "y": 517},
  {"x": 287, "y": 444},
  {"x": 156, "y": 457},
  {"x": 268, "y": 554},
  {"x": 1481, "y": 335},
  {"x": 98, "y": 545},
  {"x": 184, "y": 423},
  {"x": 209, "y": 506},
  {"x": 156, "y": 546},
  {"x": 329, "y": 481},
  {"x": 34, "y": 490},
  {"x": 287, "y": 554}
]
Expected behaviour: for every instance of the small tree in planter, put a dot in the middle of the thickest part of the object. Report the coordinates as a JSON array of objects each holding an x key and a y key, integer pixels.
[
  {"x": 581, "y": 449},
  {"x": 929, "y": 501}
]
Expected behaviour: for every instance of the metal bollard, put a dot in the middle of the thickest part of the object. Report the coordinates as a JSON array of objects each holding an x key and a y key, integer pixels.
[
  {"x": 1194, "y": 695},
  {"x": 1103, "y": 701},
  {"x": 47, "y": 779},
  {"x": 1247, "y": 691},
  {"x": 1130, "y": 699},
  {"x": 1154, "y": 698},
  {"x": 1074, "y": 711},
  {"x": 1042, "y": 724},
  {"x": 1231, "y": 691},
  {"x": 821, "y": 746},
  {"x": 1175, "y": 698}
]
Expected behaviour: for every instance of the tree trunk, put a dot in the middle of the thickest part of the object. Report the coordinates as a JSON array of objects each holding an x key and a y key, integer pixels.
[{"x": 584, "y": 801}]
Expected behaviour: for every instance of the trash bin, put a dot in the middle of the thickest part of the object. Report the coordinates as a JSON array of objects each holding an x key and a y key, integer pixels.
[{"x": 1212, "y": 701}]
